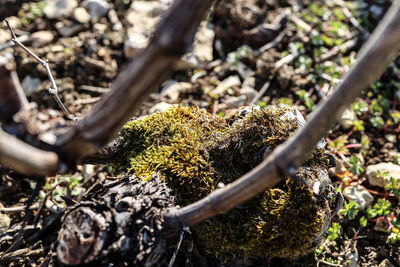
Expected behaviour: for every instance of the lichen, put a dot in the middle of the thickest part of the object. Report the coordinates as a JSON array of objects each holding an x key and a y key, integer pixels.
[{"x": 194, "y": 151}]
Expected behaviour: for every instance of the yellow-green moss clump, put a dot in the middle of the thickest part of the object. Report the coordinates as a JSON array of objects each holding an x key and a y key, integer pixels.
[{"x": 194, "y": 151}]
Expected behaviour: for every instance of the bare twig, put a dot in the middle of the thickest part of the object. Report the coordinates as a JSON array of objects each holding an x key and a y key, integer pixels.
[
  {"x": 53, "y": 91},
  {"x": 260, "y": 93},
  {"x": 22, "y": 39},
  {"x": 375, "y": 55},
  {"x": 94, "y": 89},
  {"x": 271, "y": 44},
  {"x": 351, "y": 18},
  {"x": 336, "y": 49},
  {"x": 183, "y": 231}
]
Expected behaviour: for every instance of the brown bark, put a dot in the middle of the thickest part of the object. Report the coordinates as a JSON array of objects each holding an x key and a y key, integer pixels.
[
  {"x": 12, "y": 97},
  {"x": 172, "y": 38}
]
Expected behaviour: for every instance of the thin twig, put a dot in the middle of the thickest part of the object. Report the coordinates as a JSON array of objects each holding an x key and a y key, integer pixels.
[
  {"x": 183, "y": 231},
  {"x": 42, "y": 205},
  {"x": 20, "y": 235},
  {"x": 271, "y": 44},
  {"x": 53, "y": 90},
  {"x": 260, "y": 93},
  {"x": 18, "y": 209},
  {"x": 336, "y": 49},
  {"x": 94, "y": 89}
]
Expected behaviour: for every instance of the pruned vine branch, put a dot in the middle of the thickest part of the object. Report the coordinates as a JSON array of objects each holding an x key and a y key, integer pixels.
[
  {"x": 375, "y": 55},
  {"x": 172, "y": 38}
]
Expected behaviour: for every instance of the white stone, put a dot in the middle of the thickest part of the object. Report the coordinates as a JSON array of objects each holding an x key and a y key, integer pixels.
[
  {"x": 81, "y": 15},
  {"x": 347, "y": 119},
  {"x": 249, "y": 92},
  {"x": 5, "y": 36},
  {"x": 202, "y": 52},
  {"x": 68, "y": 31},
  {"x": 359, "y": 195},
  {"x": 233, "y": 102},
  {"x": 96, "y": 8},
  {"x": 30, "y": 84},
  {"x": 141, "y": 25},
  {"x": 133, "y": 42},
  {"x": 341, "y": 166},
  {"x": 148, "y": 8},
  {"x": 160, "y": 107},
  {"x": 142, "y": 19},
  {"x": 116, "y": 24},
  {"x": 59, "y": 8},
  {"x": 223, "y": 86},
  {"x": 42, "y": 38},
  {"x": 173, "y": 89},
  {"x": 392, "y": 170}
]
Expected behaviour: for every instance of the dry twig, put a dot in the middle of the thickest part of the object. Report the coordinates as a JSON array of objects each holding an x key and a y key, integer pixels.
[{"x": 53, "y": 90}]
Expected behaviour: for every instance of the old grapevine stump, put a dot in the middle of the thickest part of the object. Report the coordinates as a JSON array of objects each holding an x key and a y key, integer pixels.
[{"x": 181, "y": 155}]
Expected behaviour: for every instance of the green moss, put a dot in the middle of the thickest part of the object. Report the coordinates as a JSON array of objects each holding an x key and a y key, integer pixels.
[{"x": 194, "y": 151}]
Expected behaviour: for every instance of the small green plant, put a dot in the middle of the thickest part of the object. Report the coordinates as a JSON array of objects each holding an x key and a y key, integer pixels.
[
  {"x": 304, "y": 63},
  {"x": 394, "y": 187},
  {"x": 234, "y": 57},
  {"x": 377, "y": 122},
  {"x": 356, "y": 165},
  {"x": 393, "y": 237},
  {"x": 382, "y": 207},
  {"x": 396, "y": 160},
  {"x": 363, "y": 221},
  {"x": 334, "y": 231},
  {"x": 360, "y": 107},
  {"x": 306, "y": 99},
  {"x": 395, "y": 115},
  {"x": 350, "y": 210},
  {"x": 364, "y": 144},
  {"x": 339, "y": 145},
  {"x": 358, "y": 125}
]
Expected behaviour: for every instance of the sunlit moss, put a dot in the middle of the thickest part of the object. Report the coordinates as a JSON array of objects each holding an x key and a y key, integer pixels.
[{"x": 194, "y": 151}]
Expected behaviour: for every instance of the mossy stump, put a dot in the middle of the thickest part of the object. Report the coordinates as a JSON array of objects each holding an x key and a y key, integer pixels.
[{"x": 195, "y": 152}]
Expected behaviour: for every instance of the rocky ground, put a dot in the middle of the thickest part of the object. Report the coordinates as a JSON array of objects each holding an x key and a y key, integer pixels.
[{"x": 247, "y": 52}]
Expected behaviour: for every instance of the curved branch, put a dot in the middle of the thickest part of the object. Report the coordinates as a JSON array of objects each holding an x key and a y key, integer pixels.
[
  {"x": 12, "y": 97},
  {"x": 23, "y": 158},
  {"x": 172, "y": 38},
  {"x": 375, "y": 55}
]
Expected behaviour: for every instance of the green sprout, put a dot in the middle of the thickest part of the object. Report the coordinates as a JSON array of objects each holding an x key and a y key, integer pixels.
[
  {"x": 358, "y": 125},
  {"x": 382, "y": 207},
  {"x": 334, "y": 231},
  {"x": 377, "y": 122},
  {"x": 306, "y": 99},
  {"x": 363, "y": 221},
  {"x": 350, "y": 210},
  {"x": 395, "y": 115},
  {"x": 356, "y": 165},
  {"x": 360, "y": 107},
  {"x": 394, "y": 187},
  {"x": 233, "y": 58}
]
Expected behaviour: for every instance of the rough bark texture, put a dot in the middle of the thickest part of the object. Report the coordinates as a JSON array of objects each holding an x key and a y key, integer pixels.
[{"x": 119, "y": 221}]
